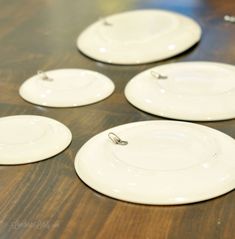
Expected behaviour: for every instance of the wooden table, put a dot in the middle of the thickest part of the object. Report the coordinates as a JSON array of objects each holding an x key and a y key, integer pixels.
[{"x": 47, "y": 199}]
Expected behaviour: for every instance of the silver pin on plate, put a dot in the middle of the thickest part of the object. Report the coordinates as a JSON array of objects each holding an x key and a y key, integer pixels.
[
  {"x": 44, "y": 76},
  {"x": 158, "y": 76},
  {"x": 116, "y": 139},
  {"x": 228, "y": 18},
  {"x": 106, "y": 22}
]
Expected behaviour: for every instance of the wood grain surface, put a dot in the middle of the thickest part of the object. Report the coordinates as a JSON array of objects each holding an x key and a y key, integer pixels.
[{"x": 47, "y": 199}]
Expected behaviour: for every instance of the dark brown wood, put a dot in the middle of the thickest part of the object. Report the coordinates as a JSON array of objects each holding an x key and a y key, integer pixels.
[{"x": 47, "y": 199}]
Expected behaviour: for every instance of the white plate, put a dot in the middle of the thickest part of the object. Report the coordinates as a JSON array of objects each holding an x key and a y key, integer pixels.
[
  {"x": 29, "y": 138},
  {"x": 69, "y": 88},
  {"x": 164, "y": 162},
  {"x": 140, "y": 36},
  {"x": 200, "y": 91}
]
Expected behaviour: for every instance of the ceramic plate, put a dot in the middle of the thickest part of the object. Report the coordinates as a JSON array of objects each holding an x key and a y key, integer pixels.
[
  {"x": 66, "y": 88},
  {"x": 164, "y": 162},
  {"x": 200, "y": 91},
  {"x": 29, "y": 138},
  {"x": 139, "y": 36}
]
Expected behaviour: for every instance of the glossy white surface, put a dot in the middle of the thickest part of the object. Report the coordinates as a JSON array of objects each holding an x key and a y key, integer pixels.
[
  {"x": 200, "y": 91},
  {"x": 29, "y": 138},
  {"x": 139, "y": 36},
  {"x": 164, "y": 162},
  {"x": 69, "y": 88}
]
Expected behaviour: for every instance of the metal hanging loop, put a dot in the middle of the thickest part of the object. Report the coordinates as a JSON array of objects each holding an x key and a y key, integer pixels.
[
  {"x": 106, "y": 22},
  {"x": 228, "y": 18},
  {"x": 115, "y": 139},
  {"x": 44, "y": 76},
  {"x": 158, "y": 76}
]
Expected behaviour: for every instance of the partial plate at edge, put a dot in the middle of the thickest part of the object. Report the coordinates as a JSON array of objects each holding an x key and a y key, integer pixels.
[
  {"x": 31, "y": 138},
  {"x": 197, "y": 91},
  {"x": 164, "y": 162}
]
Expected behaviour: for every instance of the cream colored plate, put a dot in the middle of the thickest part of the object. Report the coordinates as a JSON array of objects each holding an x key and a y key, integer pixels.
[
  {"x": 164, "y": 162},
  {"x": 29, "y": 138},
  {"x": 200, "y": 91},
  {"x": 67, "y": 88},
  {"x": 139, "y": 36}
]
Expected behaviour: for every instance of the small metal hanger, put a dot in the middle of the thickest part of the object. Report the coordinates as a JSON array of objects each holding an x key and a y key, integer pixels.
[
  {"x": 44, "y": 76},
  {"x": 106, "y": 22},
  {"x": 116, "y": 139},
  {"x": 228, "y": 18},
  {"x": 158, "y": 76}
]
